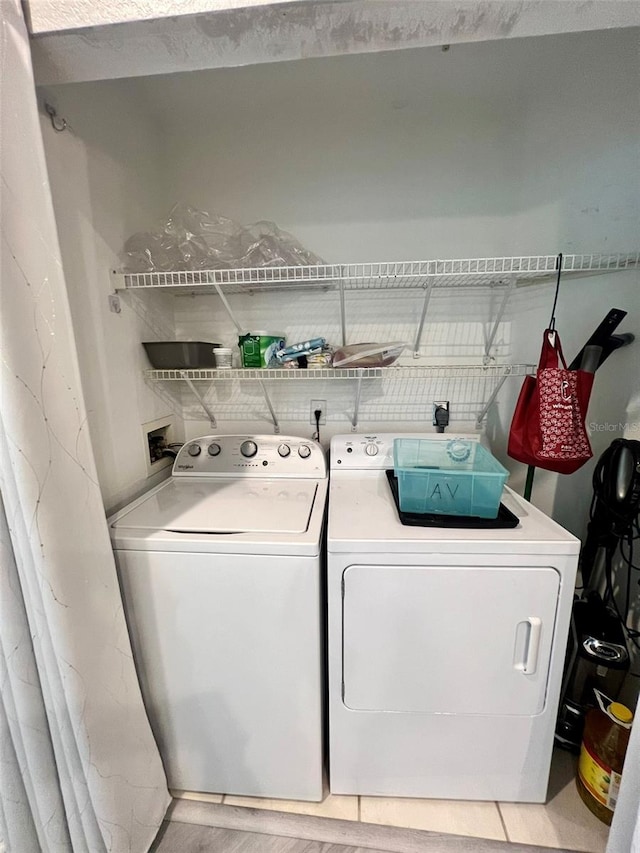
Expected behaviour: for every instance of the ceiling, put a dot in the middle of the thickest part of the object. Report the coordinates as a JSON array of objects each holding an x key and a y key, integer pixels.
[{"x": 85, "y": 40}]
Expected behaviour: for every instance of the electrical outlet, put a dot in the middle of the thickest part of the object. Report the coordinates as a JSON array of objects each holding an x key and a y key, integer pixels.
[
  {"x": 318, "y": 404},
  {"x": 441, "y": 409},
  {"x": 157, "y": 435}
]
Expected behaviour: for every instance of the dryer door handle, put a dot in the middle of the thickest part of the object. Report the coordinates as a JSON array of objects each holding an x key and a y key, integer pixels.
[{"x": 530, "y": 663}]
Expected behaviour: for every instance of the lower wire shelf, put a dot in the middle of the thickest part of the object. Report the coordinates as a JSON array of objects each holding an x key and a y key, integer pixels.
[
  {"x": 499, "y": 373},
  {"x": 491, "y": 371}
]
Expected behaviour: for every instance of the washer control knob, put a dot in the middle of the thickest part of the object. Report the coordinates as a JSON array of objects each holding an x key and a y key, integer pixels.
[
  {"x": 214, "y": 449},
  {"x": 304, "y": 451},
  {"x": 194, "y": 450},
  {"x": 371, "y": 449},
  {"x": 248, "y": 449},
  {"x": 284, "y": 450}
]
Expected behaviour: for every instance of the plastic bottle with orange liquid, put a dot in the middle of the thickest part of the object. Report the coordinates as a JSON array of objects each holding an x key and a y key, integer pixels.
[{"x": 604, "y": 744}]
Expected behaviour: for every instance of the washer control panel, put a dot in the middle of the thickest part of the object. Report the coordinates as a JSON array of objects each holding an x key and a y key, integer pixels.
[{"x": 250, "y": 455}]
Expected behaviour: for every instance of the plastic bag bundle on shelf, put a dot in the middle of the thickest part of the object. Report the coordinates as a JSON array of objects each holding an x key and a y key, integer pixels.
[{"x": 191, "y": 239}]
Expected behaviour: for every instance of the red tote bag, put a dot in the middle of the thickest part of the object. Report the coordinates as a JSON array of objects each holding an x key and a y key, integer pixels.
[{"x": 548, "y": 428}]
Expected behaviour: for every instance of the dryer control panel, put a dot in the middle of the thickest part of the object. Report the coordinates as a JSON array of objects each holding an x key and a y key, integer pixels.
[
  {"x": 375, "y": 451},
  {"x": 250, "y": 455}
]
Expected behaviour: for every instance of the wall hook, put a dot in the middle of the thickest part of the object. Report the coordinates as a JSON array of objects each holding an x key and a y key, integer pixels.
[{"x": 57, "y": 123}]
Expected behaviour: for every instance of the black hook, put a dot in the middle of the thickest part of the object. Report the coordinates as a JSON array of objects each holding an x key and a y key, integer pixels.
[
  {"x": 552, "y": 321},
  {"x": 58, "y": 124}
]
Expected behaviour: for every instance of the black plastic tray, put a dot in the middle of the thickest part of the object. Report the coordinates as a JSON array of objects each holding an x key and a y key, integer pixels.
[
  {"x": 504, "y": 520},
  {"x": 180, "y": 355}
]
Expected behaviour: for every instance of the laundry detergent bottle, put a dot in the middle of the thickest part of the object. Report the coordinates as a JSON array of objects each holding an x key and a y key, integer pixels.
[{"x": 604, "y": 744}]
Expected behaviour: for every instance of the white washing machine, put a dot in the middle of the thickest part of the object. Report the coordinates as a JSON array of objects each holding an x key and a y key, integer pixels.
[
  {"x": 446, "y": 644},
  {"x": 220, "y": 568}
]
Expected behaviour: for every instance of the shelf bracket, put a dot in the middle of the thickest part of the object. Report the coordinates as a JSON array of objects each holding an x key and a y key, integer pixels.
[
  {"x": 483, "y": 411},
  {"x": 356, "y": 405},
  {"x": 267, "y": 399},
  {"x": 427, "y": 297},
  {"x": 200, "y": 399},
  {"x": 343, "y": 315},
  {"x": 503, "y": 305},
  {"x": 228, "y": 307}
]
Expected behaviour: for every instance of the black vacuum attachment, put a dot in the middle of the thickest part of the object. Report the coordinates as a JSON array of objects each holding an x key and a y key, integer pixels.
[
  {"x": 604, "y": 339},
  {"x": 597, "y": 655}
]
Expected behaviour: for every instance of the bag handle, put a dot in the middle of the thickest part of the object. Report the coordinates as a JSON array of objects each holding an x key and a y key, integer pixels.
[{"x": 551, "y": 355}]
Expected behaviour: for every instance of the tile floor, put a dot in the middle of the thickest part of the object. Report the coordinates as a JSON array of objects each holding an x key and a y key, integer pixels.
[{"x": 563, "y": 822}]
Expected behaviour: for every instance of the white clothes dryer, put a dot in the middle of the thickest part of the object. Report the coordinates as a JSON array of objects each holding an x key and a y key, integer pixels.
[
  {"x": 446, "y": 644},
  {"x": 220, "y": 568}
]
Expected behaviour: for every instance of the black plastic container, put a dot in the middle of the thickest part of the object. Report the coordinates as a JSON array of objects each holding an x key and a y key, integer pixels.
[
  {"x": 180, "y": 355},
  {"x": 597, "y": 658}
]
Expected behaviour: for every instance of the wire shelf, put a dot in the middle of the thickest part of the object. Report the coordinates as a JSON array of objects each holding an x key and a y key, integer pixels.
[
  {"x": 470, "y": 272},
  {"x": 491, "y": 371}
]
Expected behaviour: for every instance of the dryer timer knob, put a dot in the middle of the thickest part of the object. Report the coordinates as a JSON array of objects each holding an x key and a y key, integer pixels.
[{"x": 248, "y": 449}]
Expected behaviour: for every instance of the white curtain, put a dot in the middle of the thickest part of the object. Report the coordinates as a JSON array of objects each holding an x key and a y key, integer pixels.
[
  {"x": 79, "y": 769},
  {"x": 625, "y": 829}
]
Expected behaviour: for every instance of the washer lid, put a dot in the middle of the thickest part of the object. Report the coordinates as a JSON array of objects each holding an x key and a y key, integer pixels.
[{"x": 225, "y": 506}]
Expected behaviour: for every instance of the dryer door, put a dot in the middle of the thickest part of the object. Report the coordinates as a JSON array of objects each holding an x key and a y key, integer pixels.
[{"x": 448, "y": 640}]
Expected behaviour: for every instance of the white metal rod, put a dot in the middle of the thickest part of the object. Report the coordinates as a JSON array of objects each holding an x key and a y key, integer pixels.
[
  {"x": 276, "y": 425},
  {"x": 501, "y": 310},
  {"x": 343, "y": 315},
  {"x": 200, "y": 399},
  {"x": 427, "y": 297},
  {"x": 228, "y": 307},
  {"x": 356, "y": 407},
  {"x": 490, "y": 401}
]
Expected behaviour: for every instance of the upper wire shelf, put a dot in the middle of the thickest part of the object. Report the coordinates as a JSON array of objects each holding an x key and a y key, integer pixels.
[
  {"x": 470, "y": 272},
  {"x": 490, "y": 371}
]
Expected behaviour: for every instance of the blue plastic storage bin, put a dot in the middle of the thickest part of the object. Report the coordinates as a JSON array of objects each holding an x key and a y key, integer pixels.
[{"x": 454, "y": 477}]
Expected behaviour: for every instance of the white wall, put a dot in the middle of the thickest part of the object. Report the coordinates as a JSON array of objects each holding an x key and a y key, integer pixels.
[
  {"x": 518, "y": 147},
  {"x": 105, "y": 175},
  {"x": 515, "y": 147},
  {"x": 580, "y": 158}
]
